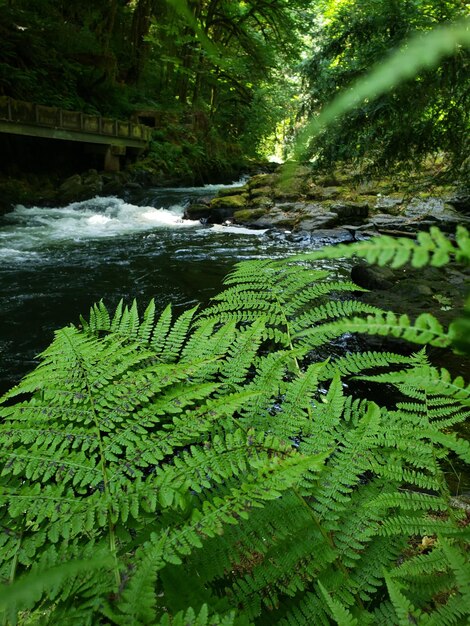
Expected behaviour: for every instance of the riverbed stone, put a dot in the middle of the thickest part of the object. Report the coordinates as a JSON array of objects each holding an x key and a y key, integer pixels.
[
  {"x": 350, "y": 210},
  {"x": 291, "y": 207},
  {"x": 315, "y": 216},
  {"x": 391, "y": 204},
  {"x": 383, "y": 221},
  {"x": 314, "y": 222},
  {"x": 436, "y": 210},
  {"x": 80, "y": 187},
  {"x": 328, "y": 236},
  {"x": 316, "y": 192},
  {"x": 222, "y": 208},
  {"x": 460, "y": 200},
  {"x": 197, "y": 211},
  {"x": 261, "y": 180},
  {"x": 372, "y": 277},
  {"x": 257, "y": 192},
  {"x": 246, "y": 216},
  {"x": 275, "y": 219},
  {"x": 290, "y": 187},
  {"x": 262, "y": 202}
]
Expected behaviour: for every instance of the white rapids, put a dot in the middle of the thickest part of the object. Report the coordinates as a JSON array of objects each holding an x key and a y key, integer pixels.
[{"x": 28, "y": 231}]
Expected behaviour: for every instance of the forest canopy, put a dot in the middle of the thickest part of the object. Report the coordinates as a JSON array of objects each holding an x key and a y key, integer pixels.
[{"x": 230, "y": 79}]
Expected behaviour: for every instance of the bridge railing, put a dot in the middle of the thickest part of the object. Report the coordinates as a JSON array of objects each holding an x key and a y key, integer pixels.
[{"x": 21, "y": 112}]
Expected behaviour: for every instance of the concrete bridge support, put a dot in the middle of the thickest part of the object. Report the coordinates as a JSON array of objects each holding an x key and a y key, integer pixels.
[
  {"x": 111, "y": 137},
  {"x": 112, "y": 161}
]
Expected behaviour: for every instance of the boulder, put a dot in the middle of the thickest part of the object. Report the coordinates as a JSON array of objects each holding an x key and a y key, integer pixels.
[
  {"x": 231, "y": 202},
  {"x": 261, "y": 180},
  {"x": 275, "y": 219},
  {"x": 390, "y": 204},
  {"x": 260, "y": 191},
  {"x": 371, "y": 277},
  {"x": 290, "y": 187},
  {"x": 80, "y": 187},
  {"x": 325, "y": 237},
  {"x": 197, "y": 211},
  {"x": 350, "y": 210},
  {"x": 222, "y": 208},
  {"x": 383, "y": 221},
  {"x": 288, "y": 207},
  {"x": 247, "y": 216},
  {"x": 71, "y": 189},
  {"x": 322, "y": 220},
  {"x": 316, "y": 192},
  {"x": 461, "y": 201},
  {"x": 262, "y": 202},
  {"x": 314, "y": 216}
]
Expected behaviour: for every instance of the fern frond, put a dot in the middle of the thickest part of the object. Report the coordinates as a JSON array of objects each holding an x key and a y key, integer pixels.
[
  {"x": 340, "y": 614},
  {"x": 189, "y": 618},
  {"x": 216, "y": 454},
  {"x": 356, "y": 362},
  {"x": 425, "y": 330},
  {"x": 430, "y": 248},
  {"x": 405, "y": 611},
  {"x": 26, "y": 591}
]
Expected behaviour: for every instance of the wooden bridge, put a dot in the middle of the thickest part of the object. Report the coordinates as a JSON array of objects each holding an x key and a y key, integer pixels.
[{"x": 36, "y": 120}]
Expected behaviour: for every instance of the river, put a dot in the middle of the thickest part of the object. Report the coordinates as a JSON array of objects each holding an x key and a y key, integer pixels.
[{"x": 56, "y": 262}]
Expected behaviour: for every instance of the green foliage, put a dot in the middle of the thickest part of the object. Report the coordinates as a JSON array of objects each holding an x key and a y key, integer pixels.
[
  {"x": 412, "y": 103},
  {"x": 214, "y": 72},
  {"x": 214, "y": 468}
]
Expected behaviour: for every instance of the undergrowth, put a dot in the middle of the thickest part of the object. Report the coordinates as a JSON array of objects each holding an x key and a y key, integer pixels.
[{"x": 206, "y": 469}]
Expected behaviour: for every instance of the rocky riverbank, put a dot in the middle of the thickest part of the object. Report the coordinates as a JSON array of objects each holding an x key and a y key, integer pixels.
[
  {"x": 334, "y": 208},
  {"x": 324, "y": 210}
]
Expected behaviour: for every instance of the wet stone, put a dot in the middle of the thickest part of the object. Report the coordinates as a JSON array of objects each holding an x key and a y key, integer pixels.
[
  {"x": 357, "y": 210},
  {"x": 321, "y": 220}
]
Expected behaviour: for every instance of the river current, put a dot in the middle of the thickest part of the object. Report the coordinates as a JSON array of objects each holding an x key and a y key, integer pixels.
[{"x": 56, "y": 262}]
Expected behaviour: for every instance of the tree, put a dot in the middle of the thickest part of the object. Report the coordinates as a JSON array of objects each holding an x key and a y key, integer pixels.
[{"x": 426, "y": 114}]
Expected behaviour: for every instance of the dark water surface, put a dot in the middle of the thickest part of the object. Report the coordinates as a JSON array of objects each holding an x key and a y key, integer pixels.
[{"x": 56, "y": 262}]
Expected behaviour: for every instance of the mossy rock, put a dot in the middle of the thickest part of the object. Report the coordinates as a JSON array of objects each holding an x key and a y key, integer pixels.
[
  {"x": 290, "y": 189},
  {"x": 248, "y": 215},
  {"x": 261, "y": 180},
  {"x": 294, "y": 171},
  {"x": 316, "y": 192},
  {"x": 323, "y": 219},
  {"x": 262, "y": 202},
  {"x": 21, "y": 191},
  {"x": 197, "y": 211},
  {"x": 233, "y": 202},
  {"x": 275, "y": 220},
  {"x": 345, "y": 209},
  {"x": 261, "y": 191}
]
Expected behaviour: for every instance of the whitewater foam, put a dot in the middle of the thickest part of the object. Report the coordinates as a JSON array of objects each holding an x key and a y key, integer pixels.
[{"x": 30, "y": 228}]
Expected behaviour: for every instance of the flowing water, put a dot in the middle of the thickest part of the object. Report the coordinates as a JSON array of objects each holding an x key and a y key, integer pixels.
[{"x": 56, "y": 262}]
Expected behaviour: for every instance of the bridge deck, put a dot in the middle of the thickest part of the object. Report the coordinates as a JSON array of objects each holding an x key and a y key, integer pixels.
[{"x": 36, "y": 120}]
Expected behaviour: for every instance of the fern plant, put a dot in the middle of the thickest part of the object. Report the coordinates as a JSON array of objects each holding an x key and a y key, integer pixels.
[{"x": 215, "y": 468}]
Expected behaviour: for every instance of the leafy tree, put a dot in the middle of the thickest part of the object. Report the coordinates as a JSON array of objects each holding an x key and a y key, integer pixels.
[{"x": 423, "y": 115}]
